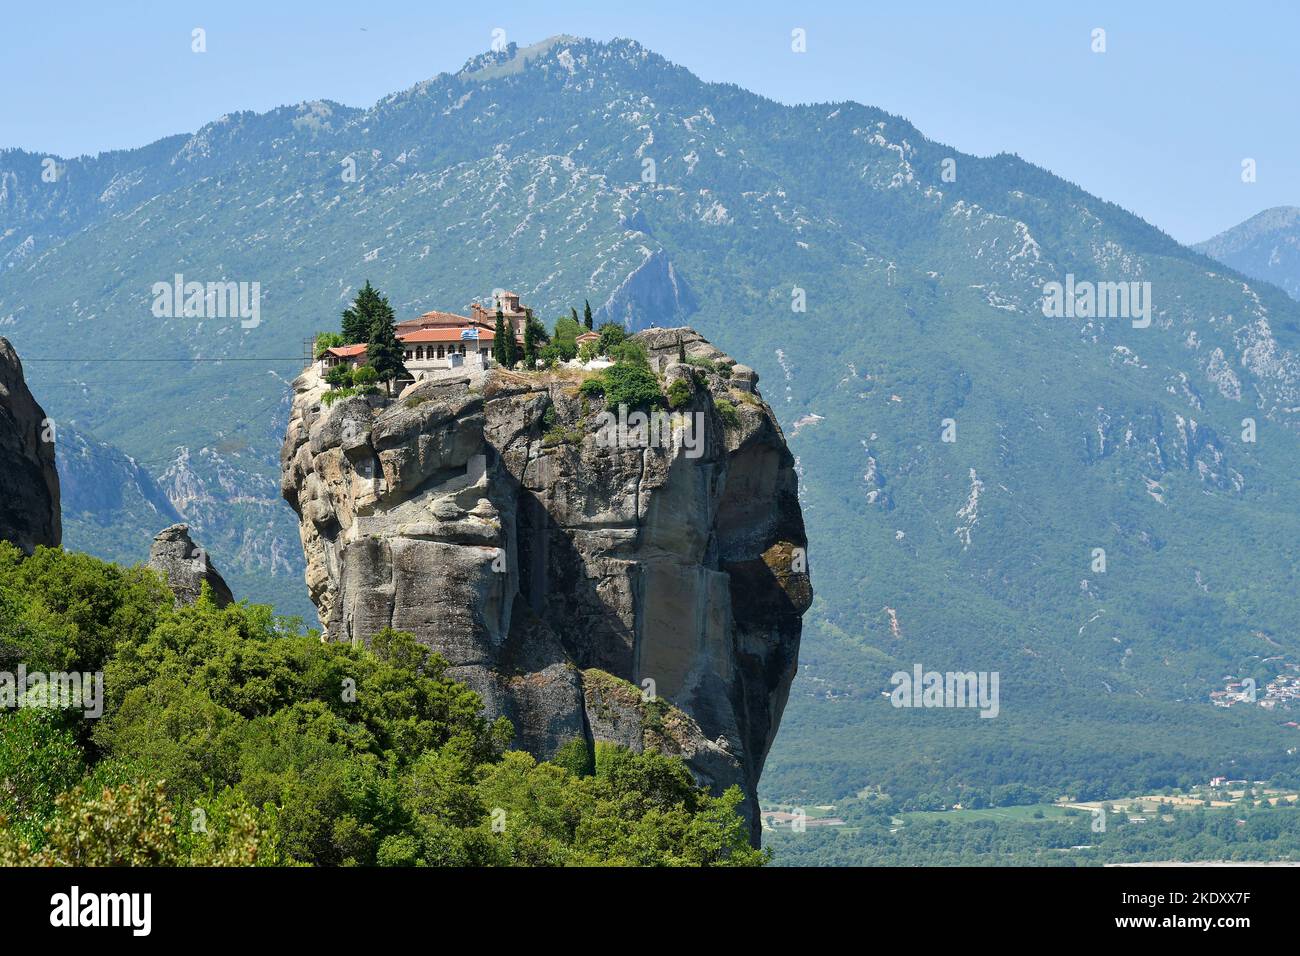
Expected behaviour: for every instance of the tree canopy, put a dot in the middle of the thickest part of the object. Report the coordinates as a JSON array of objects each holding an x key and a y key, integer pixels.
[{"x": 232, "y": 737}]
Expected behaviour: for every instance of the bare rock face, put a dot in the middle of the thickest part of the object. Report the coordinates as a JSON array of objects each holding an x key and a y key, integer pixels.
[
  {"x": 30, "y": 512},
  {"x": 643, "y": 588},
  {"x": 186, "y": 567}
]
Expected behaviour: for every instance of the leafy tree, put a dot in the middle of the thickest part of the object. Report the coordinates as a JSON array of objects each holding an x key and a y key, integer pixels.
[
  {"x": 269, "y": 758},
  {"x": 611, "y": 334},
  {"x": 325, "y": 341},
  {"x": 629, "y": 352},
  {"x": 138, "y": 825},
  {"x": 39, "y": 759}
]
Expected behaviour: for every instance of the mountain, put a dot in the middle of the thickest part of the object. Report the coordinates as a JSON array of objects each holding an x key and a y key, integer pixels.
[
  {"x": 29, "y": 482},
  {"x": 112, "y": 506},
  {"x": 1265, "y": 247},
  {"x": 1110, "y": 532},
  {"x": 577, "y": 578}
]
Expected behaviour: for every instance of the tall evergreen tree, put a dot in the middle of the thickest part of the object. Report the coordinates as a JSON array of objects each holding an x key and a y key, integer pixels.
[
  {"x": 359, "y": 318},
  {"x": 385, "y": 351},
  {"x": 574, "y": 312},
  {"x": 530, "y": 343},
  {"x": 499, "y": 340},
  {"x": 510, "y": 348},
  {"x": 586, "y": 313}
]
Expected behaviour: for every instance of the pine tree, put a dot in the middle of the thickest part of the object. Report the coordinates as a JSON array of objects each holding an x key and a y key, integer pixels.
[
  {"x": 359, "y": 318},
  {"x": 385, "y": 351},
  {"x": 586, "y": 314},
  {"x": 499, "y": 340}
]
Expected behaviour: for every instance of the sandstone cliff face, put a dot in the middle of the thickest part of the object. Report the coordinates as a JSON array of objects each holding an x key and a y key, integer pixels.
[
  {"x": 29, "y": 483},
  {"x": 482, "y": 512}
]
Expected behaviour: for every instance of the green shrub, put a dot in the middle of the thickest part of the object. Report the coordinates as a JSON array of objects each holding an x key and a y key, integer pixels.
[
  {"x": 630, "y": 353},
  {"x": 340, "y": 376},
  {"x": 624, "y": 384},
  {"x": 560, "y": 435},
  {"x": 329, "y": 398},
  {"x": 364, "y": 375},
  {"x": 679, "y": 394},
  {"x": 727, "y": 412}
]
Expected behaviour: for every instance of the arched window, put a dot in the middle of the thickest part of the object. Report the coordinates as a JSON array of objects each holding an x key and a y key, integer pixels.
[{"x": 442, "y": 352}]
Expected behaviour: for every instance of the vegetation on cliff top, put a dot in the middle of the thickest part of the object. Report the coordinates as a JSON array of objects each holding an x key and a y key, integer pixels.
[{"x": 229, "y": 736}]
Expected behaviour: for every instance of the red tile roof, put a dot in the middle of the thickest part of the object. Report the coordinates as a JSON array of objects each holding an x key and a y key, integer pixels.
[
  {"x": 347, "y": 351},
  {"x": 434, "y": 318},
  {"x": 441, "y": 335}
]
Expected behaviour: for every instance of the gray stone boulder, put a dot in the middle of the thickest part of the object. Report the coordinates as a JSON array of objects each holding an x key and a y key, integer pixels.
[{"x": 186, "y": 566}]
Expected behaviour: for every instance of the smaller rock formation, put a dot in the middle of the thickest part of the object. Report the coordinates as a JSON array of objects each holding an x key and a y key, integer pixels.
[
  {"x": 186, "y": 566},
  {"x": 29, "y": 483}
]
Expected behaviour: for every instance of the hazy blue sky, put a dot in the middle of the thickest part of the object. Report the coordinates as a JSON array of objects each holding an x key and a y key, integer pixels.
[{"x": 1159, "y": 123}]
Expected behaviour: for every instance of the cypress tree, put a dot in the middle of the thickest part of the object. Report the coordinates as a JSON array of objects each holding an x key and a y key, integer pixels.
[
  {"x": 499, "y": 340},
  {"x": 586, "y": 314},
  {"x": 510, "y": 348},
  {"x": 574, "y": 312},
  {"x": 530, "y": 344}
]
